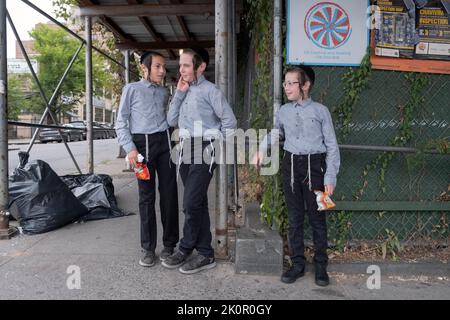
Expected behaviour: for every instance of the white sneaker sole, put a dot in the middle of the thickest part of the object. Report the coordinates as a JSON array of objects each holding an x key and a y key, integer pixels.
[
  {"x": 146, "y": 264},
  {"x": 169, "y": 266},
  {"x": 208, "y": 266}
]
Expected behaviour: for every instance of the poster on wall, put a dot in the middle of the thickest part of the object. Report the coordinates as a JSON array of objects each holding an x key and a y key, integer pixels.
[
  {"x": 434, "y": 31},
  {"x": 329, "y": 33},
  {"x": 395, "y": 29}
]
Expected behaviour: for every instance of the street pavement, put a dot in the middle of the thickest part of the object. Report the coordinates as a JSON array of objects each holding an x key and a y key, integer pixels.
[{"x": 105, "y": 254}]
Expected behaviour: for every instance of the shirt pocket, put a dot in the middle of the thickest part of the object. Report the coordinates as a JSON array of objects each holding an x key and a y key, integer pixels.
[{"x": 311, "y": 126}]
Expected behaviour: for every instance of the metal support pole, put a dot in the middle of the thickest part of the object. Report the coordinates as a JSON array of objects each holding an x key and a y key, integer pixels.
[
  {"x": 127, "y": 66},
  {"x": 89, "y": 104},
  {"x": 278, "y": 60},
  {"x": 221, "y": 9},
  {"x": 5, "y": 230},
  {"x": 122, "y": 153},
  {"x": 233, "y": 192},
  {"x": 233, "y": 99},
  {"x": 41, "y": 90}
]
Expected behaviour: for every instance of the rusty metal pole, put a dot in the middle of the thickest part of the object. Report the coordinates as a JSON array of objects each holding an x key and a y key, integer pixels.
[
  {"x": 5, "y": 231},
  {"x": 89, "y": 94},
  {"x": 221, "y": 7}
]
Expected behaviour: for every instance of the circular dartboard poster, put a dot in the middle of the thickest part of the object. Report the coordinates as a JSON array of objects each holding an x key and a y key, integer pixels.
[{"x": 327, "y": 25}]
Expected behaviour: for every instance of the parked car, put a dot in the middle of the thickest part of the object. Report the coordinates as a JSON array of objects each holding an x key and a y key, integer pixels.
[
  {"x": 80, "y": 125},
  {"x": 111, "y": 132},
  {"x": 51, "y": 134},
  {"x": 99, "y": 132}
]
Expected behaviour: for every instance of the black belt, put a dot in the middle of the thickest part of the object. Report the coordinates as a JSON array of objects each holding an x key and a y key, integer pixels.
[{"x": 136, "y": 135}]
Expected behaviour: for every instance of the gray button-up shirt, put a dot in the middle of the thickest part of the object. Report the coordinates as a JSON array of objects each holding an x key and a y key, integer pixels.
[
  {"x": 142, "y": 110},
  {"x": 202, "y": 103},
  {"x": 306, "y": 128}
]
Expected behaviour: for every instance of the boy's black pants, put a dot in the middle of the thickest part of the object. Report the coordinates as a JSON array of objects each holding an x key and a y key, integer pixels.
[
  {"x": 159, "y": 162},
  {"x": 296, "y": 200},
  {"x": 197, "y": 225}
]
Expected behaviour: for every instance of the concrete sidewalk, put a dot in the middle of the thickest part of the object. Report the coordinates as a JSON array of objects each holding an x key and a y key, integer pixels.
[
  {"x": 25, "y": 141},
  {"x": 107, "y": 254}
]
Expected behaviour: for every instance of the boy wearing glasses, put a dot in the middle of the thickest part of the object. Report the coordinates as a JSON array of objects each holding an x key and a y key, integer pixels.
[{"x": 311, "y": 162}]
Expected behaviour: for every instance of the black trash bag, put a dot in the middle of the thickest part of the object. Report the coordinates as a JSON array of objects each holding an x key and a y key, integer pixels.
[
  {"x": 23, "y": 158},
  {"x": 42, "y": 200},
  {"x": 96, "y": 192}
]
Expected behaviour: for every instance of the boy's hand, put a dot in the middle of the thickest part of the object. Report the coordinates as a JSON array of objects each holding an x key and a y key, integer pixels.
[
  {"x": 329, "y": 188},
  {"x": 132, "y": 157},
  {"x": 182, "y": 85},
  {"x": 258, "y": 159}
]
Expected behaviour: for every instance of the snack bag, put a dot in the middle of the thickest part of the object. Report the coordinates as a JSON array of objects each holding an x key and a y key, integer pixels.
[
  {"x": 324, "y": 201},
  {"x": 141, "y": 170}
]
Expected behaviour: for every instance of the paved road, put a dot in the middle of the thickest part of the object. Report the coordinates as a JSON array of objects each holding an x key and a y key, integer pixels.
[{"x": 57, "y": 156}]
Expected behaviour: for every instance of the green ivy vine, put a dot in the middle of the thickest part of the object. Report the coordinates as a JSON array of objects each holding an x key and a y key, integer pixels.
[
  {"x": 259, "y": 22},
  {"x": 417, "y": 82},
  {"x": 355, "y": 81}
]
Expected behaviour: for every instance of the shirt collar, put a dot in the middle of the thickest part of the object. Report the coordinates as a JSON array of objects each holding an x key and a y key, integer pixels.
[
  {"x": 199, "y": 80},
  {"x": 149, "y": 84},
  {"x": 303, "y": 103}
]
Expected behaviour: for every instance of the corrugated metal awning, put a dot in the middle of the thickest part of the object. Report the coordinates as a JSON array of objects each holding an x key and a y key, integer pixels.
[{"x": 164, "y": 26}]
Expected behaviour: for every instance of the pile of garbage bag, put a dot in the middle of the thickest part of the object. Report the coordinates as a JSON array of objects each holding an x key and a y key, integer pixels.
[{"x": 42, "y": 201}]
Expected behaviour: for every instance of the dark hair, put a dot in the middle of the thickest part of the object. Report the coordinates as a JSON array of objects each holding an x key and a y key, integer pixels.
[
  {"x": 304, "y": 73},
  {"x": 147, "y": 57},
  {"x": 199, "y": 55}
]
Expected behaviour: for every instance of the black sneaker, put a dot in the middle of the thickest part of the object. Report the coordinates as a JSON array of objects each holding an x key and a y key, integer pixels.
[
  {"x": 292, "y": 274},
  {"x": 321, "y": 277},
  {"x": 167, "y": 251},
  {"x": 148, "y": 259},
  {"x": 197, "y": 264},
  {"x": 175, "y": 260}
]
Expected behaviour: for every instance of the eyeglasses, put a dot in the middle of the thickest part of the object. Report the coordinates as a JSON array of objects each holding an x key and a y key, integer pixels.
[{"x": 289, "y": 84}]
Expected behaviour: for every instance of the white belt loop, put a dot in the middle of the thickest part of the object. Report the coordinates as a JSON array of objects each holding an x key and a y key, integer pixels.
[
  {"x": 170, "y": 148},
  {"x": 292, "y": 172}
]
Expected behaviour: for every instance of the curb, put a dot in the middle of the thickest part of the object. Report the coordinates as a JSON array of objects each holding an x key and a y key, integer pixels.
[{"x": 436, "y": 268}]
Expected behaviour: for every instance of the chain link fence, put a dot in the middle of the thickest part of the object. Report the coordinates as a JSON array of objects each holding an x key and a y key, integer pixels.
[{"x": 409, "y": 178}]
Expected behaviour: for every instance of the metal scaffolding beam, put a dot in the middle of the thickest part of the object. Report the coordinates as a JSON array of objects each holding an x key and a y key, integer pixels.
[
  {"x": 163, "y": 45},
  {"x": 222, "y": 81},
  {"x": 4, "y": 222},
  {"x": 146, "y": 10},
  {"x": 89, "y": 94}
]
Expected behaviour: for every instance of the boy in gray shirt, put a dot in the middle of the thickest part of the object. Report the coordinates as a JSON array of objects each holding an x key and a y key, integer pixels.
[
  {"x": 142, "y": 129},
  {"x": 311, "y": 162},
  {"x": 202, "y": 113}
]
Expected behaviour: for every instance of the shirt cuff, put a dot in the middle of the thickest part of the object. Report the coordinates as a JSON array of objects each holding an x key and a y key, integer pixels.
[
  {"x": 330, "y": 180},
  {"x": 129, "y": 147}
]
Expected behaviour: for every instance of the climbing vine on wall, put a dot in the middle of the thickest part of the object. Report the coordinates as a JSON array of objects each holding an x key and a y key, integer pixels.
[
  {"x": 259, "y": 22},
  {"x": 355, "y": 81},
  {"x": 417, "y": 82}
]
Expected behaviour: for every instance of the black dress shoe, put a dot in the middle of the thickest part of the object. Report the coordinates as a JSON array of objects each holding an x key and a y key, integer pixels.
[
  {"x": 322, "y": 278},
  {"x": 293, "y": 274}
]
